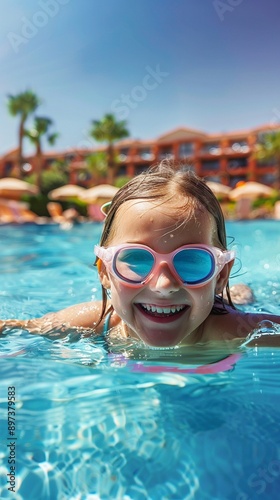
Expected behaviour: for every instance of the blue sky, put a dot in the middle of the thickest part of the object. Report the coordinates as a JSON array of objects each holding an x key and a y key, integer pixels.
[{"x": 208, "y": 64}]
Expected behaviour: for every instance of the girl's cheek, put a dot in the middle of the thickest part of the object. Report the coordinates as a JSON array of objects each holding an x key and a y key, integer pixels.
[{"x": 204, "y": 298}]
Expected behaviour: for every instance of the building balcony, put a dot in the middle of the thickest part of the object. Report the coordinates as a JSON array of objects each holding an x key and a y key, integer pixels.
[{"x": 210, "y": 150}]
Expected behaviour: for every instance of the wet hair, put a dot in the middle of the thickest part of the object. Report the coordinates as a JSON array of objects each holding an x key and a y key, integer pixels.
[{"x": 163, "y": 182}]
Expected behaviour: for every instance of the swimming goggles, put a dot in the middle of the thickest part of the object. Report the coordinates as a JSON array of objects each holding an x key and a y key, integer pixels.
[{"x": 191, "y": 265}]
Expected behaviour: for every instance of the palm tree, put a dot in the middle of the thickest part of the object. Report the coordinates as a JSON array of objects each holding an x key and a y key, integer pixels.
[
  {"x": 97, "y": 166},
  {"x": 23, "y": 104},
  {"x": 269, "y": 149},
  {"x": 109, "y": 130},
  {"x": 40, "y": 128}
]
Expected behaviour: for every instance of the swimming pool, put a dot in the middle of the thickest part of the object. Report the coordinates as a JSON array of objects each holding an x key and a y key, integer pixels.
[{"x": 87, "y": 428}]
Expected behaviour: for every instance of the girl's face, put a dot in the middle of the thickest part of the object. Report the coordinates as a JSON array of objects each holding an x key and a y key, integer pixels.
[{"x": 160, "y": 228}]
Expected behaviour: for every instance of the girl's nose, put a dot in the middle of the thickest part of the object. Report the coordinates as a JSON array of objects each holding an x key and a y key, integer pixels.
[{"x": 164, "y": 281}]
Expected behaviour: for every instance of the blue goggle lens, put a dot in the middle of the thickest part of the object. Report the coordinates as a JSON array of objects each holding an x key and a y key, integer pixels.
[
  {"x": 134, "y": 264},
  {"x": 193, "y": 266}
]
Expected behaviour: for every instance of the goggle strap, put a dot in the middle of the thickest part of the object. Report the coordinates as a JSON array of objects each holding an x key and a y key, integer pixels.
[
  {"x": 230, "y": 256},
  {"x": 102, "y": 253}
]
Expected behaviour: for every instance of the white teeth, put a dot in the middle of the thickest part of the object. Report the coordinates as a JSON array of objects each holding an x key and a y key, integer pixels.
[{"x": 162, "y": 310}]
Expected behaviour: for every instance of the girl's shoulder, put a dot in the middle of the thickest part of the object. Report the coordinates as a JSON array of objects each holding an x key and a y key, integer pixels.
[
  {"x": 90, "y": 315},
  {"x": 87, "y": 317},
  {"x": 234, "y": 324}
]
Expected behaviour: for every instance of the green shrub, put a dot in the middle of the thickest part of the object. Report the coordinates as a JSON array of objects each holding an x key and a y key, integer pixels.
[{"x": 122, "y": 180}]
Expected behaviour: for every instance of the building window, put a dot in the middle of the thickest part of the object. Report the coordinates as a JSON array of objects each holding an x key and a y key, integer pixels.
[
  {"x": 139, "y": 169},
  {"x": 123, "y": 154},
  {"x": 186, "y": 149},
  {"x": 211, "y": 149},
  {"x": 237, "y": 163},
  {"x": 185, "y": 167},
  {"x": 210, "y": 165},
  {"x": 146, "y": 154},
  {"x": 122, "y": 171},
  {"x": 166, "y": 153},
  {"x": 83, "y": 176},
  {"x": 268, "y": 179},
  {"x": 69, "y": 157},
  {"x": 8, "y": 167},
  {"x": 50, "y": 161}
]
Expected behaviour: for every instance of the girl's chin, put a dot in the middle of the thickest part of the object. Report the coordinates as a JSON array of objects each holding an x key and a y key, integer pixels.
[{"x": 160, "y": 338}]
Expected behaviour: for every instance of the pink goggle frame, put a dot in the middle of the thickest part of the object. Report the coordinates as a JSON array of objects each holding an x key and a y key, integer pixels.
[{"x": 192, "y": 265}]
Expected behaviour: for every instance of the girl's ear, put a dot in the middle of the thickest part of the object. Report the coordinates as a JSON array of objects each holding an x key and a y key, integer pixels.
[
  {"x": 103, "y": 275},
  {"x": 223, "y": 277}
]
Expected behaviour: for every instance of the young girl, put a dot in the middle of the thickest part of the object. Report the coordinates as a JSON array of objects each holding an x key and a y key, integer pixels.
[{"x": 164, "y": 268}]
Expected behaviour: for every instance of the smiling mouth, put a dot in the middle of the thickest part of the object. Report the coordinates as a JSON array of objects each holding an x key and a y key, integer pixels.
[{"x": 162, "y": 312}]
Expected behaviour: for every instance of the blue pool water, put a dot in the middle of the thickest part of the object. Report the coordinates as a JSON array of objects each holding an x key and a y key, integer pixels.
[{"x": 88, "y": 428}]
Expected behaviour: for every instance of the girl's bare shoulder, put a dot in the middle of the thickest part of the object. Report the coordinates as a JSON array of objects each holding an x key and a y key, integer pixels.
[
  {"x": 85, "y": 315},
  {"x": 235, "y": 324}
]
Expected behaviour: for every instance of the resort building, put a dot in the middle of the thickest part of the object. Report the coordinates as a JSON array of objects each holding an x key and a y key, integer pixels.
[{"x": 227, "y": 158}]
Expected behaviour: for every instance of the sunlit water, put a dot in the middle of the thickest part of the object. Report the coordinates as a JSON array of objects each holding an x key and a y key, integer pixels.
[{"x": 90, "y": 427}]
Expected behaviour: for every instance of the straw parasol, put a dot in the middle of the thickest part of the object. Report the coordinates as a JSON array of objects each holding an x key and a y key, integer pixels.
[
  {"x": 251, "y": 191},
  {"x": 99, "y": 193},
  {"x": 66, "y": 192},
  {"x": 14, "y": 188},
  {"x": 219, "y": 190}
]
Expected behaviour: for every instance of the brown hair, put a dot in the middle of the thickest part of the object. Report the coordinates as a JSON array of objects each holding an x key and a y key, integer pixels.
[{"x": 162, "y": 182}]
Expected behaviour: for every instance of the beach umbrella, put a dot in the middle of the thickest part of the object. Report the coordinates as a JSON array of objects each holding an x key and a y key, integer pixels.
[
  {"x": 251, "y": 191},
  {"x": 219, "y": 190},
  {"x": 66, "y": 192},
  {"x": 14, "y": 188},
  {"x": 99, "y": 193}
]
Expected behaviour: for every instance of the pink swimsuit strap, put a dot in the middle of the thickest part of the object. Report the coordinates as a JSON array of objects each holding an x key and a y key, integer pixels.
[{"x": 220, "y": 366}]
